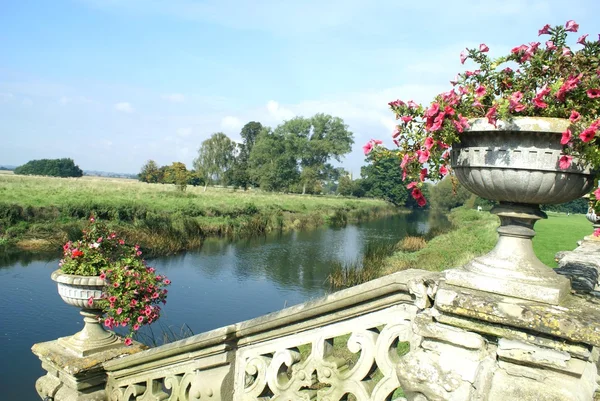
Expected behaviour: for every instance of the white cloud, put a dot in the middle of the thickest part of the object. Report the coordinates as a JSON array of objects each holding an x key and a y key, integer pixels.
[
  {"x": 125, "y": 107},
  {"x": 27, "y": 102},
  {"x": 231, "y": 123},
  {"x": 174, "y": 97},
  {"x": 278, "y": 112}
]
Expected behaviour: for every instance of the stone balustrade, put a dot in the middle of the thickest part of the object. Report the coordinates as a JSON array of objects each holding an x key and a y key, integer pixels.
[{"x": 409, "y": 336}]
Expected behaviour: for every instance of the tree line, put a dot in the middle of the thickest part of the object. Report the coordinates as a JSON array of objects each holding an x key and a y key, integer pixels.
[
  {"x": 294, "y": 157},
  {"x": 51, "y": 167}
]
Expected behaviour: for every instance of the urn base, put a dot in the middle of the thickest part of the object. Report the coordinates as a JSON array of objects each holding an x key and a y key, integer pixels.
[{"x": 512, "y": 267}]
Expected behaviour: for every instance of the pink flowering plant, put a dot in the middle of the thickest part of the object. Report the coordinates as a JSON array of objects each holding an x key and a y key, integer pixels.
[
  {"x": 133, "y": 290},
  {"x": 551, "y": 79}
]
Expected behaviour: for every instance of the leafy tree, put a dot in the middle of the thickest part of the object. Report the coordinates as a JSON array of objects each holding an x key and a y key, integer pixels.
[
  {"x": 215, "y": 156},
  {"x": 448, "y": 193},
  {"x": 382, "y": 178},
  {"x": 273, "y": 163},
  {"x": 346, "y": 187},
  {"x": 239, "y": 174},
  {"x": 150, "y": 172},
  {"x": 51, "y": 167},
  {"x": 177, "y": 174}
]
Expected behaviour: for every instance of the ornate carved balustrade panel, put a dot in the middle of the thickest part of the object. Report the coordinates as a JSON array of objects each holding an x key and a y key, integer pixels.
[{"x": 311, "y": 363}]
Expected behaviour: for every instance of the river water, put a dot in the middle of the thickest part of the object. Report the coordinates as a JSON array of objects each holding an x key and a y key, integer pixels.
[{"x": 222, "y": 283}]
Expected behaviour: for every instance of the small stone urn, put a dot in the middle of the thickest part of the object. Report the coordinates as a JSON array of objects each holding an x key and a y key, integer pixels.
[
  {"x": 76, "y": 291},
  {"x": 517, "y": 164}
]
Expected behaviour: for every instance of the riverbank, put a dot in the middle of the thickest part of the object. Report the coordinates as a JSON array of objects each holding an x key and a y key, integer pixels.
[
  {"x": 470, "y": 234},
  {"x": 42, "y": 213}
]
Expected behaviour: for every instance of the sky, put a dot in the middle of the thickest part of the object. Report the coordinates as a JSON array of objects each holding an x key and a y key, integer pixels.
[{"x": 114, "y": 83}]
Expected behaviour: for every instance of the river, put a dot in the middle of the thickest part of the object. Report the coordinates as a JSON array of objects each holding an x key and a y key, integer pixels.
[{"x": 222, "y": 283}]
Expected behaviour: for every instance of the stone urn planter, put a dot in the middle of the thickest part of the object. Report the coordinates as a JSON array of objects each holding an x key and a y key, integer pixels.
[
  {"x": 76, "y": 291},
  {"x": 516, "y": 164}
]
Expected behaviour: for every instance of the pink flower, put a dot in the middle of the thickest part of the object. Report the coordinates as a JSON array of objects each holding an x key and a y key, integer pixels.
[
  {"x": 423, "y": 156},
  {"x": 92, "y": 219},
  {"x": 90, "y": 301},
  {"x": 112, "y": 299},
  {"x": 564, "y": 162},
  {"x": 116, "y": 285},
  {"x": 443, "y": 170},
  {"x": 396, "y": 103},
  {"x": 119, "y": 311},
  {"x": 588, "y": 134},
  {"x": 597, "y": 193},
  {"x": 483, "y": 48},
  {"x": 582, "y": 38},
  {"x": 108, "y": 323},
  {"x": 416, "y": 193},
  {"x": 545, "y": 30},
  {"x": 593, "y": 93},
  {"x": 575, "y": 116},
  {"x": 492, "y": 114},
  {"x": 480, "y": 91},
  {"x": 550, "y": 45},
  {"x": 395, "y": 134},
  {"x": 518, "y": 49},
  {"x": 405, "y": 159},
  {"x": 377, "y": 141},
  {"x": 571, "y": 26},
  {"x": 463, "y": 56},
  {"x": 136, "y": 327},
  {"x": 102, "y": 276},
  {"x": 423, "y": 174},
  {"x": 412, "y": 185},
  {"x": 539, "y": 104},
  {"x": 128, "y": 341},
  {"x": 566, "y": 137},
  {"x": 406, "y": 119},
  {"x": 597, "y": 232},
  {"x": 566, "y": 51},
  {"x": 428, "y": 143},
  {"x": 140, "y": 319},
  {"x": 412, "y": 104},
  {"x": 367, "y": 148},
  {"x": 421, "y": 201}
]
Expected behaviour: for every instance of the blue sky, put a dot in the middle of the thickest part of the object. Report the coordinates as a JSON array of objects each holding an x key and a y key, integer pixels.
[{"x": 113, "y": 83}]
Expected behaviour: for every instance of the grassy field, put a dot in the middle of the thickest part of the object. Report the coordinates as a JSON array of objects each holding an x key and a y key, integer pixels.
[
  {"x": 43, "y": 212},
  {"x": 559, "y": 233}
]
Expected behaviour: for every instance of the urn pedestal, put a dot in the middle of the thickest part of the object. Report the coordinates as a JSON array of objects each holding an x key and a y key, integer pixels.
[{"x": 516, "y": 164}]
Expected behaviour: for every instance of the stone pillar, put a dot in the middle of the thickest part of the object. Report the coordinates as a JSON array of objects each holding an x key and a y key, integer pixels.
[
  {"x": 489, "y": 347},
  {"x": 72, "y": 377}
]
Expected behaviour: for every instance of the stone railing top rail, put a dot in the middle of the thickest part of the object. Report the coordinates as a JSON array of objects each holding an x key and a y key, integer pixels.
[{"x": 405, "y": 286}]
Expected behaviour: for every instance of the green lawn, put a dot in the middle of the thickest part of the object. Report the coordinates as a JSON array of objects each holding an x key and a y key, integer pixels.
[{"x": 559, "y": 233}]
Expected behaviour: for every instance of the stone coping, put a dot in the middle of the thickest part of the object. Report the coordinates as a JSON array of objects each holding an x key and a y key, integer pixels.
[
  {"x": 531, "y": 124},
  {"x": 297, "y": 318},
  {"x": 576, "y": 319}
]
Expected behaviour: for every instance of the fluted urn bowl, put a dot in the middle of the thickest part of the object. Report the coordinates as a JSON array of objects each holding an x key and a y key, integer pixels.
[
  {"x": 519, "y": 162},
  {"x": 516, "y": 164},
  {"x": 77, "y": 290}
]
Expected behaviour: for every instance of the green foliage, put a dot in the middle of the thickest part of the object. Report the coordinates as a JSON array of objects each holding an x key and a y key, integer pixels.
[
  {"x": 150, "y": 172},
  {"x": 577, "y": 206},
  {"x": 239, "y": 175},
  {"x": 382, "y": 178},
  {"x": 216, "y": 156},
  {"x": 50, "y": 167},
  {"x": 448, "y": 194}
]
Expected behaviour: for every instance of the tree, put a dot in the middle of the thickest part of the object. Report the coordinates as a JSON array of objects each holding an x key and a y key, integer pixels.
[
  {"x": 215, "y": 156},
  {"x": 51, "y": 167},
  {"x": 149, "y": 172},
  {"x": 177, "y": 174},
  {"x": 447, "y": 194},
  {"x": 382, "y": 178},
  {"x": 273, "y": 163},
  {"x": 239, "y": 174}
]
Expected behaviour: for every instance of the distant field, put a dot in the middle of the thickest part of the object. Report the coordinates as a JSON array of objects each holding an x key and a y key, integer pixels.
[{"x": 53, "y": 209}]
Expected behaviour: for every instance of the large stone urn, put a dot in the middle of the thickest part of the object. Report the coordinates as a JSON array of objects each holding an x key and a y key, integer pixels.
[
  {"x": 516, "y": 164},
  {"x": 76, "y": 291}
]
